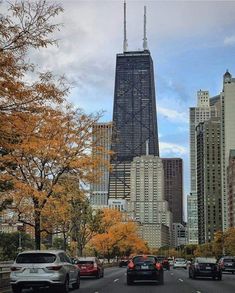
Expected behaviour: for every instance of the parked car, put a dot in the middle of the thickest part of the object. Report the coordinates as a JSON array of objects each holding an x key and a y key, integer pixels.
[
  {"x": 180, "y": 263},
  {"x": 144, "y": 267},
  {"x": 90, "y": 266},
  {"x": 164, "y": 261},
  {"x": 205, "y": 267},
  {"x": 171, "y": 261},
  {"x": 227, "y": 264},
  {"x": 44, "y": 268}
]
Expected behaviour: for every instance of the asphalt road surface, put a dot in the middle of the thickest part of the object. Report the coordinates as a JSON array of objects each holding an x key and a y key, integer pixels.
[{"x": 175, "y": 281}]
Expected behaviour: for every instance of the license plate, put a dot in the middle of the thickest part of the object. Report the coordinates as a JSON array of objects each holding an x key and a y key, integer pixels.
[
  {"x": 229, "y": 264},
  {"x": 208, "y": 268},
  {"x": 33, "y": 271},
  {"x": 144, "y": 267}
]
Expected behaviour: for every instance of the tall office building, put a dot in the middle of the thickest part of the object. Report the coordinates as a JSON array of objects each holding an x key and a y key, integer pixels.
[
  {"x": 204, "y": 111},
  {"x": 231, "y": 189},
  {"x": 147, "y": 205},
  {"x": 209, "y": 180},
  {"x": 173, "y": 186},
  {"x": 192, "y": 223},
  {"x": 227, "y": 97},
  {"x": 134, "y": 115},
  {"x": 102, "y": 133}
]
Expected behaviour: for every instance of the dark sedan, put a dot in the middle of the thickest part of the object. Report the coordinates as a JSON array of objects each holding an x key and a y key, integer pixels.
[
  {"x": 205, "y": 267},
  {"x": 144, "y": 267}
]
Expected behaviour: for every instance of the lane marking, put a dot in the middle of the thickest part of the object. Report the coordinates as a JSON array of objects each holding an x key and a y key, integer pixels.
[
  {"x": 198, "y": 291},
  {"x": 116, "y": 280},
  {"x": 172, "y": 274},
  {"x": 181, "y": 280}
]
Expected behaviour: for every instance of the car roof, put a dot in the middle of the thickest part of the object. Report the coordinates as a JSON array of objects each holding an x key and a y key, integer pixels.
[{"x": 42, "y": 251}]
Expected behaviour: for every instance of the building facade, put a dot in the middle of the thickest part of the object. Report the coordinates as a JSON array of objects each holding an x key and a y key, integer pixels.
[
  {"x": 134, "y": 117},
  {"x": 209, "y": 180},
  {"x": 192, "y": 223},
  {"x": 227, "y": 97},
  {"x": 147, "y": 205},
  {"x": 231, "y": 189},
  {"x": 179, "y": 234},
  {"x": 173, "y": 187},
  {"x": 102, "y": 133}
]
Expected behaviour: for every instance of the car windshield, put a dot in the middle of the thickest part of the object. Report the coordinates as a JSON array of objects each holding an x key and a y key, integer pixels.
[
  {"x": 229, "y": 260},
  {"x": 180, "y": 260},
  {"x": 145, "y": 259},
  {"x": 36, "y": 258}
]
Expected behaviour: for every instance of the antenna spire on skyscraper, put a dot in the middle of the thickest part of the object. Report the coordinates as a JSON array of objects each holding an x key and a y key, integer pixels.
[
  {"x": 125, "y": 39},
  {"x": 145, "y": 44}
]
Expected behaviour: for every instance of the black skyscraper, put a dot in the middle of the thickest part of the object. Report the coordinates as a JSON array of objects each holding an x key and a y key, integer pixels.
[{"x": 134, "y": 117}]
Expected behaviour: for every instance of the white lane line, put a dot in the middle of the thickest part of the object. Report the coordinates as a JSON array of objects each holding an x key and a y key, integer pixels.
[
  {"x": 198, "y": 291},
  {"x": 172, "y": 274},
  {"x": 181, "y": 280},
  {"x": 96, "y": 292},
  {"x": 116, "y": 280}
]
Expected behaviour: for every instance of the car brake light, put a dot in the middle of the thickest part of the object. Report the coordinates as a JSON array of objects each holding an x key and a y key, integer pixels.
[
  {"x": 158, "y": 266},
  {"x": 13, "y": 269},
  {"x": 54, "y": 268},
  {"x": 131, "y": 265}
]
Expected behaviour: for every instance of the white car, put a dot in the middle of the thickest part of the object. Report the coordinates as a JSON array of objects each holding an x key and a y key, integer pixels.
[
  {"x": 44, "y": 268},
  {"x": 180, "y": 263}
]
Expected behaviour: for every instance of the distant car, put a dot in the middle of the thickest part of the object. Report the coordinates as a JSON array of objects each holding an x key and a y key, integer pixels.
[
  {"x": 171, "y": 261},
  {"x": 144, "y": 267},
  {"x": 90, "y": 266},
  {"x": 44, "y": 268},
  {"x": 227, "y": 264},
  {"x": 205, "y": 267},
  {"x": 180, "y": 263},
  {"x": 123, "y": 263},
  {"x": 164, "y": 261}
]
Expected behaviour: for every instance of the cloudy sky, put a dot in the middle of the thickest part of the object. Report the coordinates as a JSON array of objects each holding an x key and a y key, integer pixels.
[{"x": 192, "y": 44}]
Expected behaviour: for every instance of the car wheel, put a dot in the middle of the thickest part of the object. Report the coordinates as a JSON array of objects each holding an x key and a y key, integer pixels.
[
  {"x": 98, "y": 275},
  {"x": 189, "y": 275},
  {"x": 161, "y": 279},
  {"x": 129, "y": 281},
  {"x": 65, "y": 287},
  {"x": 77, "y": 284},
  {"x": 16, "y": 289},
  {"x": 220, "y": 277},
  {"x": 102, "y": 273},
  {"x": 233, "y": 273},
  {"x": 193, "y": 275}
]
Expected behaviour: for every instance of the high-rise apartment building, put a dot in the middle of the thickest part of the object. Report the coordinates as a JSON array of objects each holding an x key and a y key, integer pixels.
[
  {"x": 102, "y": 133},
  {"x": 231, "y": 189},
  {"x": 209, "y": 179},
  {"x": 227, "y": 97},
  {"x": 173, "y": 187},
  {"x": 204, "y": 111},
  {"x": 192, "y": 223},
  {"x": 147, "y": 205}
]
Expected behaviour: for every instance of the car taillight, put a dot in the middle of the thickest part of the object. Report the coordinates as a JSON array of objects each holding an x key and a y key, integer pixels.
[
  {"x": 158, "y": 266},
  {"x": 131, "y": 265},
  {"x": 54, "y": 268},
  {"x": 13, "y": 269}
]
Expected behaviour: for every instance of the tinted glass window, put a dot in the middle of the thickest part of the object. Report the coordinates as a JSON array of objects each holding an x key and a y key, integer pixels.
[
  {"x": 36, "y": 258},
  {"x": 144, "y": 259},
  {"x": 229, "y": 260},
  {"x": 85, "y": 262}
]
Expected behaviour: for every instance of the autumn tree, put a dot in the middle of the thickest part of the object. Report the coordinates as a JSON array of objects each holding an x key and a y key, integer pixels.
[{"x": 118, "y": 237}]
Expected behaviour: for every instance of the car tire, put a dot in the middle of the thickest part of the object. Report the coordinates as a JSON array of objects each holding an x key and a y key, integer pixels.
[
  {"x": 16, "y": 289},
  {"x": 77, "y": 284},
  {"x": 98, "y": 275},
  {"x": 189, "y": 275},
  {"x": 161, "y": 279},
  {"x": 233, "y": 273},
  {"x": 129, "y": 281},
  {"x": 63, "y": 288},
  {"x": 220, "y": 277},
  {"x": 193, "y": 276}
]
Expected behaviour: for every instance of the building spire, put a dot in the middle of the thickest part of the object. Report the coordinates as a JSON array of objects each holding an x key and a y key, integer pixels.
[
  {"x": 145, "y": 44},
  {"x": 125, "y": 39}
]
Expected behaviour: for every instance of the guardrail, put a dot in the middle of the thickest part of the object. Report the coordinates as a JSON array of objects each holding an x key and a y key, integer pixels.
[{"x": 5, "y": 273}]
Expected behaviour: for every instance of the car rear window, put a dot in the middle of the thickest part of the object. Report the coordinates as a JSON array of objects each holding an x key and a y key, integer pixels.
[
  {"x": 36, "y": 258},
  {"x": 229, "y": 260},
  {"x": 139, "y": 259},
  {"x": 85, "y": 262}
]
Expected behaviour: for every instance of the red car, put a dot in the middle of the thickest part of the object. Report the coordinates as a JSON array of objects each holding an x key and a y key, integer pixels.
[{"x": 90, "y": 266}]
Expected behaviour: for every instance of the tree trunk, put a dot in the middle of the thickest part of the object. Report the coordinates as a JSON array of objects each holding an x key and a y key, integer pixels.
[
  {"x": 37, "y": 230},
  {"x": 64, "y": 242}
]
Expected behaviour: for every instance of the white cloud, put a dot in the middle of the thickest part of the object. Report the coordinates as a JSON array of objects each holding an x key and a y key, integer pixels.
[
  {"x": 172, "y": 149},
  {"x": 229, "y": 41},
  {"x": 173, "y": 115}
]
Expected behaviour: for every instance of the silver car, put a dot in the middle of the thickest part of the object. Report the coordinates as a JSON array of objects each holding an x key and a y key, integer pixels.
[
  {"x": 44, "y": 268},
  {"x": 180, "y": 263}
]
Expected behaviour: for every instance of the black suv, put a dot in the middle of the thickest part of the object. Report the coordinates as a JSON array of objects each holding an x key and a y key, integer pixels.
[{"x": 144, "y": 267}]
